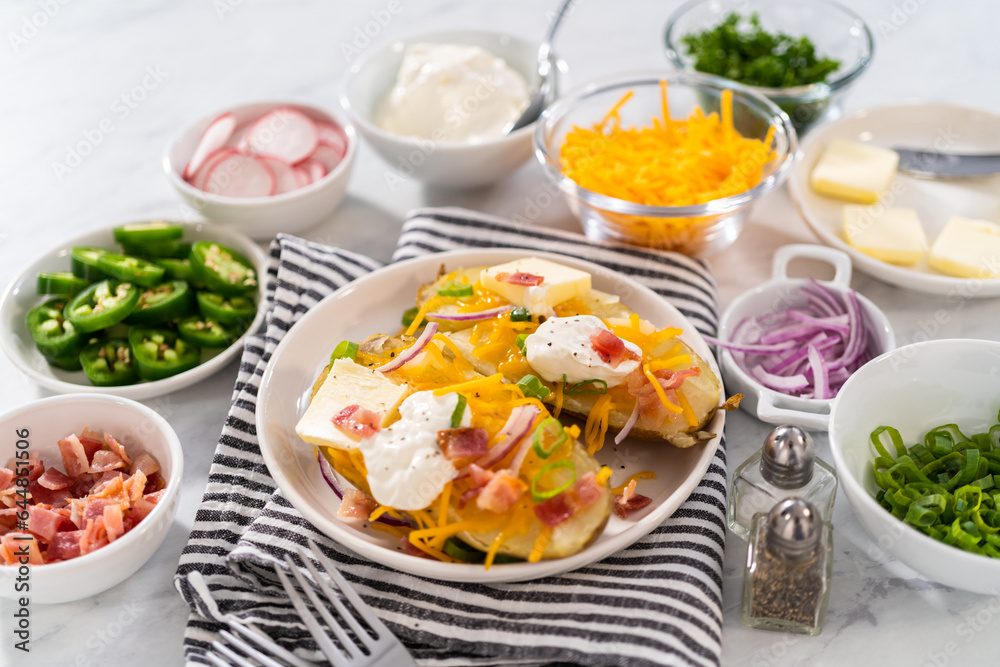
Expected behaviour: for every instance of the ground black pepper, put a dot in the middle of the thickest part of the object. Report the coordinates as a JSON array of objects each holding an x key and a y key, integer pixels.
[{"x": 786, "y": 591}]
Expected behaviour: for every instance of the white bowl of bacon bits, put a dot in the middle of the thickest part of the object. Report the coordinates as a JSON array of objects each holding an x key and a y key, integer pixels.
[
  {"x": 89, "y": 487},
  {"x": 265, "y": 168}
]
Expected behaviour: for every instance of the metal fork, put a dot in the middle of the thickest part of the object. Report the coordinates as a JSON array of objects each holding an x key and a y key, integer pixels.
[{"x": 374, "y": 646}]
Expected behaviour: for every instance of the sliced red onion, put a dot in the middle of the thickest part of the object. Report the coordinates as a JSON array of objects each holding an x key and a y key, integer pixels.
[
  {"x": 748, "y": 348},
  {"x": 470, "y": 317},
  {"x": 627, "y": 428},
  {"x": 780, "y": 383},
  {"x": 409, "y": 353},
  {"x": 834, "y": 323},
  {"x": 821, "y": 382},
  {"x": 331, "y": 477},
  {"x": 518, "y": 425}
]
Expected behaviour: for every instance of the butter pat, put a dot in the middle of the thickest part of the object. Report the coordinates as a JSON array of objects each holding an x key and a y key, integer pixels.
[
  {"x": 852, "y": 171},
  {"x": 967, "y": 248},
  {"x": 347, "y": 384},
  {"x": 560, "y": 283},
  {"x": 889, "y": 234}
]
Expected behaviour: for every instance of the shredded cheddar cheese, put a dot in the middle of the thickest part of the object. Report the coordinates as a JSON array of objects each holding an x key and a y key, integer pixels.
[
  {"x": 676, "y": 409},
  {"x": 689, "y": 415},
  {"x": 541, "y": 543},
  {"x": 645, "y": 474},
  {"x": 668, "y": 163}
]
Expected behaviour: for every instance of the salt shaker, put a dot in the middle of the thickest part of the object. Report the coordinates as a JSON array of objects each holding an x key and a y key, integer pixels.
[
  {"x": 785, "y": 466},
  {"x": 786, "y": 584}
]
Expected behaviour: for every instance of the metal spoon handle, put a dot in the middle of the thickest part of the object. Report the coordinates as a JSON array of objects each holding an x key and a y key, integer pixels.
[{"x": 551, "y": 32}]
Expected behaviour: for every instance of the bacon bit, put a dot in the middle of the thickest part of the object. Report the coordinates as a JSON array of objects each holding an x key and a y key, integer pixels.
[
  {"x": 74, "y": 456},
  {"x": 610, "y": 348},
  {"x": 105, "y": 460},
  {"x": 14, "y": 544},
  {"x": 467, "y": 496},
  {"x": 501, "y": 492},
  {"x": 674, "y": 379},
  {"x": 94, "y": 536},
  {"x": 480, "y": 476},
  {"x": 629, "y": 501},
  {"x": 8, "y": 517},
  {"x": 35, "y": 467},
  {"x": 520, "y": 278},
  {"x": 117, "y": 448},
  {"x": 6, "y": 479},
  {"x": 54, "y": 480},
  {"x": 113, "y": 522},
  {"x": 146, "y": 463},
  {"x": 651, "y": 411},
  {"x": 92, "y": 442},
  {"x": 64, "y": 546},
  {"x": 142, "y": 507},
  {"x": 135, "y": 486},
  {"x": 584, "y": 493},
  {"x": 358, "y": 421},
  {"x": 465, "y": 442},
  {"x": 407, "y": 546},
  {"x": 355, "y": 507},
  {"x": 39, "y": 494},
  {"x": 43, "y": 522}
]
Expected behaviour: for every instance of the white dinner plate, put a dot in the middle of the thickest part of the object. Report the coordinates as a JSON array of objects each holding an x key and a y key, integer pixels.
[
  {"x": 21, "y": 297},
  {"x": 933, "y": 126},
  {"x": 373, "y": 304}
]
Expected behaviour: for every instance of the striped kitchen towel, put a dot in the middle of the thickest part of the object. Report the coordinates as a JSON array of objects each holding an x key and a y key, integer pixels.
[{"x": 658, "y": 602}]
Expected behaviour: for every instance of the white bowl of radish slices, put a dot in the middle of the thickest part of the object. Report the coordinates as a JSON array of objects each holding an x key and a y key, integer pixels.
[{"x": 264, "y": 168}]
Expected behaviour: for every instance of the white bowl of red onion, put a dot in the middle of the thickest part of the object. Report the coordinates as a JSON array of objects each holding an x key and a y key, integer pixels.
[{"x": 790, "y": 344}]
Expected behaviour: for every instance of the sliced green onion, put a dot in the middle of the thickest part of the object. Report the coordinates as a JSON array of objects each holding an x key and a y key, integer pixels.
[
  {"x": 455, "y": 289},
  {"x": 532, "y": 387},
  {"x": 591, "y": 386},
  {"x": 548, "y": 437},
  {"x": 459, "y": 412},
  {"x": 408, "y": 315},
  {"x": 520, "y": 343},
  {"x": 346, "y": 349},
  {"x": 539, "y": 496},
  {"x": 520, "y": 315},
  {"x": 459, "y": 550}
]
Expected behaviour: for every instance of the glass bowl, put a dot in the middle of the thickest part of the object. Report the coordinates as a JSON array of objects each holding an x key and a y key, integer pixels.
[
  {"x": 697, "y": 230},
  {"x": 836, "y": 31}
]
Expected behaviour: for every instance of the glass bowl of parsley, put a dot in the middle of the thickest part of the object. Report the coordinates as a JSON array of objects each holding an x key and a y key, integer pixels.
[{"x": 801, "y": 54}]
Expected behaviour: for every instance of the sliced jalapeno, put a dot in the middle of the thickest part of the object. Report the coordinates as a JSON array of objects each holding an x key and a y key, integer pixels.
[
  {"x": 83, "y": 262},
  {"x": 101, "y": 305},
  {"x": 130, "y": 269},
  {"x": 176, "y": 269},
  {"x": 227, "y": 310},
  {"x": 160, "y": 353},
  {"x": 148, "y": 232},
  {"x": 60, "y": 282},
  {"x": 67, "y": 362},
  {"x": 161, "y": 249},
  {"x": 206, "y": 332},
  {"x": 108, "y": 362},
  {"x": 54, "y": 336},
  {"x": 222, "y": 269},
  {"x": 162, "y": 303}
]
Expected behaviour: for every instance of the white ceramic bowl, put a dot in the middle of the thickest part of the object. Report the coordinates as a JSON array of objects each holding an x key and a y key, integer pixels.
[
  {"x": 441, "y": 164},
  {"x": 135, "y": 426},
  {"x": 782, "y": 292},
  {"x": 21, "y": 296},
  {"x": 914, "y": 389},
  {"x": 263, "y": 217}
]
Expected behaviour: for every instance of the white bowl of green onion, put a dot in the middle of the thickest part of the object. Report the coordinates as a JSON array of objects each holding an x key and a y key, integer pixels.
[{"x": 916, "y": 440}]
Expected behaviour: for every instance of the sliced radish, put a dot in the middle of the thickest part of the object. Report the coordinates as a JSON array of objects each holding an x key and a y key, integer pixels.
[
  {"x": 200, "y": 177},
  {"x": 238, "y": 140},
  {"x": 285, "y": 178},
  {"x": 327, "y": 156},
  {"x": 239, "y": 175},
  {"x": 305, "y": 178},
  {"x": 332, "y": 136},
  {"x": 213, "y": 138},
  {"x": 286, "y": 134},
  {"x": 316, "y": 169}
]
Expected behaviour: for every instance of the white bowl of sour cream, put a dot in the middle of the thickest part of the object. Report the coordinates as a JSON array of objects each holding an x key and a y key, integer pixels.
[{"x": 433, "y": 105}]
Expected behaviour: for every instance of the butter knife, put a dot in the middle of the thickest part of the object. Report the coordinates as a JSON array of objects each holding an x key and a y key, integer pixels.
[{"x": 932, "y": 164}]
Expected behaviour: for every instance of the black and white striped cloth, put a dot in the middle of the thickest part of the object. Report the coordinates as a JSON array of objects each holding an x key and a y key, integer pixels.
[{"x": 658, "y": 602}]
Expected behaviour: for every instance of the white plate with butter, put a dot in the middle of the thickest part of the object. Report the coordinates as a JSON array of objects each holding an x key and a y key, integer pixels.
[
  {"x": 374, "y": 303},
  {"x": 941, "y": 127}
]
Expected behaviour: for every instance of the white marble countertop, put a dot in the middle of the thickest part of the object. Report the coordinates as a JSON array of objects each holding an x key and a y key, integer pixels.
[{"x": 66, "y": 66}]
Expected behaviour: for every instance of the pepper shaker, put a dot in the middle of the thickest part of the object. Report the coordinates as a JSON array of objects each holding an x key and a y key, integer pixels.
[
  {"x": 786, "y": 584},
  {"x": 785, "y": 466}
]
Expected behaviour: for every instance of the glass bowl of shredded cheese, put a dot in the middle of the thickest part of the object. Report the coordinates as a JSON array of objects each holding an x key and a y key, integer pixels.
[{"x": 673, "y": 162}]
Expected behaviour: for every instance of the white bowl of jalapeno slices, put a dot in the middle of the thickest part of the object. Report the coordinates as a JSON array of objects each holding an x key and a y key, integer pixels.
[{"x": 135, "y": 310}]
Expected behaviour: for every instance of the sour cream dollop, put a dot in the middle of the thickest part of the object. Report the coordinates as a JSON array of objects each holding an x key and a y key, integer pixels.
[
  {"x": 452, "y": 93},
  {"x": 561, "y": 346},
  {"x": 406, "y": 469}
]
